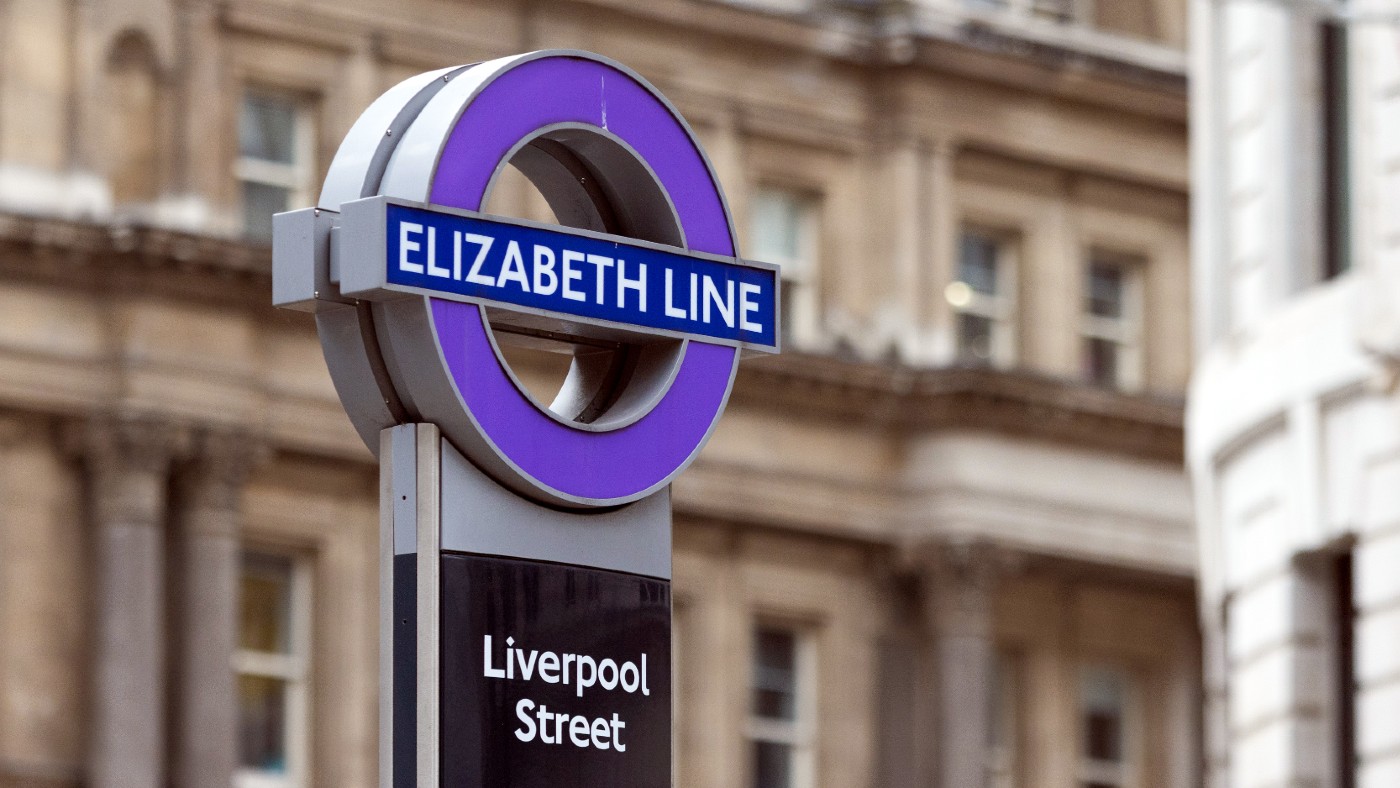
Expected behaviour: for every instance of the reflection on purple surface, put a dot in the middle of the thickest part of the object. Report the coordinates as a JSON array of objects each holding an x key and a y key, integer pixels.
[{"x": 642, "y": 455}]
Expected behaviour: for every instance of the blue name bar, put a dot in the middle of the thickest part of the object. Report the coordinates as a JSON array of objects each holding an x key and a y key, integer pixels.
[{"x": 581, "y": 276}]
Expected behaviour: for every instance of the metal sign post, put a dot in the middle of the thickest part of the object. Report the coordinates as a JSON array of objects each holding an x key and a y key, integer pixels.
[{"x": 526, "y": 546}]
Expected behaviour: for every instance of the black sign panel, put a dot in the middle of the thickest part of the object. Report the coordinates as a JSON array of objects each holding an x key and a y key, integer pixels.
[{"x": 553, "y": 676}]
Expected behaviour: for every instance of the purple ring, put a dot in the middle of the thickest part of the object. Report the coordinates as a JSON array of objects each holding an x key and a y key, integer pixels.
[{"x": 635, "y": 459}]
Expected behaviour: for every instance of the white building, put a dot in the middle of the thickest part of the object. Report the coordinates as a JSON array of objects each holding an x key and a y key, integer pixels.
[{"x": 1293, "y": 432}]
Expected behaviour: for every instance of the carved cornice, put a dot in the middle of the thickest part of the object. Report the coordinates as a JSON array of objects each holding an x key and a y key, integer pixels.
[
  {"x": 128, "y": 460},
  {"x": 1063, "y": 55},
  {"x": 217, "y": 467},
  {"x": 1023, "y": 404},
  {"x": 127, "y": 444},
  {"x": 959, "y": 579},
  {"x": 885, "y": 394},
  {"x": 128, "y": 257}
]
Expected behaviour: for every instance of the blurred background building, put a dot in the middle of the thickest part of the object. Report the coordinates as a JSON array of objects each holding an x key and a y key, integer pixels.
[
  {"x": 944, "y": 540},
  {"x": 1294, "y": 442}
]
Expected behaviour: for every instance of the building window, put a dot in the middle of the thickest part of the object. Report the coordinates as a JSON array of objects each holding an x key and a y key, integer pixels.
[
  {"x": 1003, "y": 723},
  {"x": 1333, "y": 51},
  {"x": 1106, "y": 707},
  {"x": 1343, "y": 640},
  {"x": 276, "y": 144},
  {"x": 782, "y": 712},
  {"x": 785, "y": 229},
  {"x": 272, "y": 664},
  {"x": 983, "y": 298},
  {"x": 1112, "y": 321}
]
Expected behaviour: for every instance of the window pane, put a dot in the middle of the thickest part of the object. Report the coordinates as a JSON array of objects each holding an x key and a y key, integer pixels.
[
  {"x": 775, "y": 674},
  {"x": 267, "y": 128},
  {"x": 260, "y": 202},
  {"x": 1104, "y": 296},
  {"x": 974, "y": 338},
  {"x": 1101, "y": 361},
  {"x": 772, "y": 765},
  {"x": 266, "y": 604},
  {"x": 778, "y": 218},
  {"x": 262, "y": 724},
  {"x": 775, "y": 230},
  {"x": 977, "y": 264},
  {"x": 1103, "y": 700}
]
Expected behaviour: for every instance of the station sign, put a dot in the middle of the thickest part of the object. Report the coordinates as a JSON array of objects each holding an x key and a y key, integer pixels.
[
  {"x": 526, "y": 545},
  {"x": 533, "y": 689},
  {"x": 569, "y": 274}
]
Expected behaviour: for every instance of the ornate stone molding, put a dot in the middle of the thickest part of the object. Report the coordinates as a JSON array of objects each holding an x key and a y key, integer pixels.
[
  {"x": 118, "y": 257},
  {"x": 958, "y": 579},
  {"x": 217, "y": 467},
  {"x": 128, "y": 459},
  {"x": 1024, "y": 404}
]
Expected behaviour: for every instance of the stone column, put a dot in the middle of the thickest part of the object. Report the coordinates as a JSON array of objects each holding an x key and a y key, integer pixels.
[
  {"x": 208, "y": 522},
  {"x": 958, "y": 604},
  {"x": 906, "y": 213},
  {"x": 200, "y": 183},
  {"x": 940, "y": 343},
  {"x": 127, "y": 462}
]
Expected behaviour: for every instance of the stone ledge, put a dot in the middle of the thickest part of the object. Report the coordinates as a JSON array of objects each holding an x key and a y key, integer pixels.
[
  {"x": 87, "y": 255},
  {"x": 148, "y": 260},
  {"x": 1019, "y": 403}
]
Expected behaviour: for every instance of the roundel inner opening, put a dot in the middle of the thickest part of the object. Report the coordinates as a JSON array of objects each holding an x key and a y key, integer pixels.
[{"x": 588, "y": 376}]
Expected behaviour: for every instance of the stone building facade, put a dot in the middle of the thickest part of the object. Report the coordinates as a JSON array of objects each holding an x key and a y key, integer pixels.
[
  {"x": 1292, "y": 429},
  {"x": 944, "y": 540}
]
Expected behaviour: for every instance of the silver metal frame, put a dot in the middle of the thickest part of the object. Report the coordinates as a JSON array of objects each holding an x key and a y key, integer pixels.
[{"x": 432, "y": 499}]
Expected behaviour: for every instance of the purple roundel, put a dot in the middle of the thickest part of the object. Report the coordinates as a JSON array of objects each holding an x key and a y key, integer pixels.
[{"x": 598, "y": 467}]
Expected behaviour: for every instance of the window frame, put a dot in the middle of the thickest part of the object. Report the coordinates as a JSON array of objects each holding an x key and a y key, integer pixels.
[
  {"x": 799, "y": 734},
  {"x": 1000, "y": 309},
  {"x": 1125, "y": 332},
  {"x": 801, "y": 274},
  {"x": 298, "y": 176},
  {"x": 1337, "y": 121},
  {"x": 293, "y": 668},
  {"x": 1126, "y": 773}
]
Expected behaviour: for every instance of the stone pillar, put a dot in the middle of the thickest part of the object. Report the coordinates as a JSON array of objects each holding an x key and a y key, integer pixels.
[
  {"x": 940, "y": 342},
  {"x": 200, "y": 182},
  {"x": 208, "y": 522},
  {"x": 905, "y": 213},
  {"x": 127, "y": 462},
  {"x": 958, "y": 604}
]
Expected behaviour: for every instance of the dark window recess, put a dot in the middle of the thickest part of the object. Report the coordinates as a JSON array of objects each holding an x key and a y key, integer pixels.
[
  {"x": 975, "y": 338},
  {"x": 1100, "y": 361},
  {"x": 1104, "y": 293},
  {"x": 1336, "y": 121},
  {"x": 1344, "y": 636},
  {"x": 775, "y": 675},
  {"x": 977, "y": 264},
  {"x": 772, "y": 765}
]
